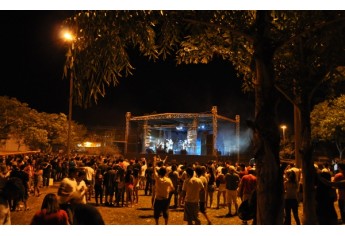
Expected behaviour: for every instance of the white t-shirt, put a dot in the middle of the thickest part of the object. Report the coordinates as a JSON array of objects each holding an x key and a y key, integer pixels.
[
  {"x": 143, "y": 169},
  {"x": 80, "y": 186},
  {"x": 89, "y": 172},
  {"x": 192, "y": 186},
  {"x": 67, "y": 187}
]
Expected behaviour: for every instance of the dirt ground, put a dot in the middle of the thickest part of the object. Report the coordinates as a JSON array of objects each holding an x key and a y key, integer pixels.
[{"x": 140, "y": 214}]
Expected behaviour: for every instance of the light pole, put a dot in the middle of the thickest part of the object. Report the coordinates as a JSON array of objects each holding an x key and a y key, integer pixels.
[
  {"x": 69, "y": 37},
  {"x": 283, "y": 127}
]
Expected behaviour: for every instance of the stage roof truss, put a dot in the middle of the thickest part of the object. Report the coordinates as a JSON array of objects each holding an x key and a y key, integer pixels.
[{"x": 179, "y": 118}]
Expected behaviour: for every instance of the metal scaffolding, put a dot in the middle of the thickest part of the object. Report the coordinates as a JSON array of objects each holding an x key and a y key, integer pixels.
[{"x": 188, "y": 121}]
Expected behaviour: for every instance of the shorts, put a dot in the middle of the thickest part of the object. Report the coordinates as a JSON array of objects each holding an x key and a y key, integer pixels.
[
  {"x": 191, "y": 210},
  {"x": 231, "y": 196},
  {"x": 161, "y": 206},
  {"x": 210, "y": 188},
  {"x": 222, "y": 188}
]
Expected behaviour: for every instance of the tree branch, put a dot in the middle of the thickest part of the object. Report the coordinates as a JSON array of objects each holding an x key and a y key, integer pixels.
[
  {"x": 234, "y": 32},
  {"x": 281, "y": 44}
]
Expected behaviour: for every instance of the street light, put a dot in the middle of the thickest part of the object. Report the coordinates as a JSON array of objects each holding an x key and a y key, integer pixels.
[
  {"x": 69, "y": 62},
  {"x": 283, "y": 127}
]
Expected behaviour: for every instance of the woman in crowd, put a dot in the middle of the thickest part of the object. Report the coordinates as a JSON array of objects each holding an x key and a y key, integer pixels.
[
  {"x": 38, "y": 180},
  {"x": 291, "y": 194},
  {"x": 211, "y": 186},
  {"x": 129, "y": 186},
  {"x": 50, "y": 213}
]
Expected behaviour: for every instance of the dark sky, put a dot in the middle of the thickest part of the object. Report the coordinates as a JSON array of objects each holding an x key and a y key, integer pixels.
[{"x": 32, "y": 67}]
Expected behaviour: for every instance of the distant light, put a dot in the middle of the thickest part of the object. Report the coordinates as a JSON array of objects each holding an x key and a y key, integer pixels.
[
  {"x": 179, "y": 128},
  {"x": 67, "y": 36},
  {"x": 89, "y": 144}
]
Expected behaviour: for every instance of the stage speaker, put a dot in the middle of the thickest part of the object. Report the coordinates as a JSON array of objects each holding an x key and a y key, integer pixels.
[{"x": 209, "y": 144}]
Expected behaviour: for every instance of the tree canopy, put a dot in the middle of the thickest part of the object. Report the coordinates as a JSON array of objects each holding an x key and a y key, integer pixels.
[
  {"x": 36, "y": 130},
  {"x": 328, "y": 123}
]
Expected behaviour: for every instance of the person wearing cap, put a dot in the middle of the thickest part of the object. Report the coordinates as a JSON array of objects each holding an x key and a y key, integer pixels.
[
  {"x": 68, "y": 191},
  {"x": 232, "y": 181}
]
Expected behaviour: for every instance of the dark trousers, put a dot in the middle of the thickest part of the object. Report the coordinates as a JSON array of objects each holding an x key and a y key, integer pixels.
[
  {"x": 291, "y": 205},
  {"x": 98, "y": 194},
  {"x": 175, "y": 197},
  {"x": 148, "y": 187}
]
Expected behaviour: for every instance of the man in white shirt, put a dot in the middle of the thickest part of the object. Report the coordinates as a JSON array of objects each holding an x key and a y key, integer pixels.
[
  {"x": 192, "y": 186},
  {"x": 163, "y": 186},
  {"x": 89, "y": 180},
  {"x": 68, "y": 190}
]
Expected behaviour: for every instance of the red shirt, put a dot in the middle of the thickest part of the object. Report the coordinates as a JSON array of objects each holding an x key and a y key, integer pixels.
[
  {"x": 248, "y": 184},
  {"x": 42, "y": 218},
  {"x": 341, "y": 191}
]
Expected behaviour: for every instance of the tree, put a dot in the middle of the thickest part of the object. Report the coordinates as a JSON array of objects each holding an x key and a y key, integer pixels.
[
  {"x": 37, "y": 130},
  {"x": 11, "y": 111},
  {"x": 328, "y": 123}
]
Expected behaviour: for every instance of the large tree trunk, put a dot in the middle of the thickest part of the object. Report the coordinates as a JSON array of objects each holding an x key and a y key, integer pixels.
[
  {"x": 266, "y": 131},
  {"x": 308, "y": 169}
]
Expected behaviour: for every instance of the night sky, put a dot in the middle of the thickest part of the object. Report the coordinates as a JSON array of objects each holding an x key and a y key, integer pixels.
[{"x": 33, "y": 57}]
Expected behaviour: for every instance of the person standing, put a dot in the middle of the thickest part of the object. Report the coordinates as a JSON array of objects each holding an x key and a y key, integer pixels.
[
  {"x": 211, "y": 185},
  {"x": 109, "y": 182},
  {"x": 220, "y": 181},
  {"x": 89, "y": 179},
  {"x": 38, "y": 180},
  {"x": 174, "y": 176},
  {"x": 69, "y": 188},
  {"x": 99, "y": 187},
  {"x": 29, "y": 169},
  {"x": 192, "y": 186},
  {"x": 129, "y": 187},
  {"x": 163, "y": 186},
  {"x": 200, "y": 173},
  {"x": 82, "y": 186},
  {"x": 291, "y": 194},
  {"x": 5, "y": 211},
  {"x": 341, "y": 190},
  {"x": 142, "y": 181},
  {"x": 232, "y": 181},
  {"x": 247, "y": 187},
  {"x": 149, "y": 179},
  {"x": 325, "y": 197}
]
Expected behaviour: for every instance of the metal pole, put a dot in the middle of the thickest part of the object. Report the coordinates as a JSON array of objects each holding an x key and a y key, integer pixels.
[
  {"x": 297, "y": 127},
  {"x": 128, "y": 118},
  {"x": 215, "y": 131},
  {"x": 70, "y": 104},
  {"x": 238, "y": 137}
]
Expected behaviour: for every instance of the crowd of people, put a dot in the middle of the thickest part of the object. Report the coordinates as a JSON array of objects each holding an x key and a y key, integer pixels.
[{"x": 115, "y": 182}]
